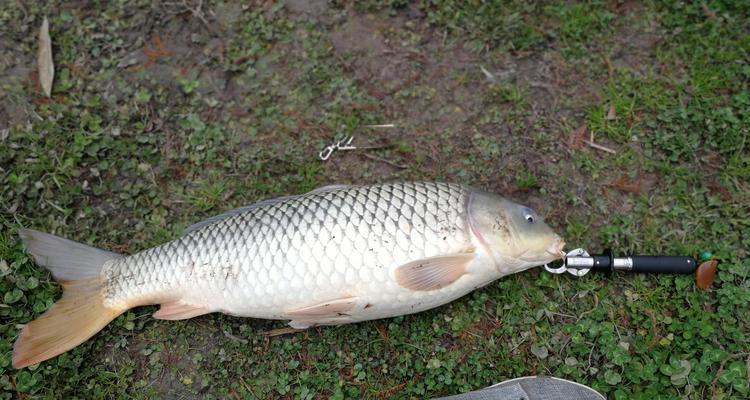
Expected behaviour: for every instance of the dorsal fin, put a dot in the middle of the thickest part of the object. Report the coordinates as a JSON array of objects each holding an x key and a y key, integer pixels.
[{"x": 262, "y": 203}]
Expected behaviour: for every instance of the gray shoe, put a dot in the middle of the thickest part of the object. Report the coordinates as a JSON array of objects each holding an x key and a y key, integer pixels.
[{"x": 532, "y": 388}]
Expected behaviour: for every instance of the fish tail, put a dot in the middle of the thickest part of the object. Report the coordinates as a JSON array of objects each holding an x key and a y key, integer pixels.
[{"x": 80, "y": 313}]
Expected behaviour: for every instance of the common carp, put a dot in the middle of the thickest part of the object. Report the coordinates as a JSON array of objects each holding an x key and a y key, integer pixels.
[{"x": 336, "y": 255}]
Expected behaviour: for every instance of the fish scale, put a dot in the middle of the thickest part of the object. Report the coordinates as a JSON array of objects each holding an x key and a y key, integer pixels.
[{"x": 318, "y": 246}]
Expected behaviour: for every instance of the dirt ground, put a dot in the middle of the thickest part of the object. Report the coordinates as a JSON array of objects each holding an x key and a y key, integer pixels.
[{"x": 165, "y": 113}]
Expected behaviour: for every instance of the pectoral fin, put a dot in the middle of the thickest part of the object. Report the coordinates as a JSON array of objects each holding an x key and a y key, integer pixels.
[
  {"x": 179, "y": 310},
  {"x": 433, "y": 273}
]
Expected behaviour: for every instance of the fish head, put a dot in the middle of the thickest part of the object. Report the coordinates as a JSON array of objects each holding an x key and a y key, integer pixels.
[{"x": 514, "y": 235}]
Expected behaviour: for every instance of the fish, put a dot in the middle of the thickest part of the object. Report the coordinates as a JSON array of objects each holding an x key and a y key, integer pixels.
[{"x": 336, "y": 255}]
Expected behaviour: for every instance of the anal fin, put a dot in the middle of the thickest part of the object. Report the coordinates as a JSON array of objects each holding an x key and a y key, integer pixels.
[
  {"x": 326, "y": 309},
  {"x": 178, "y": 310},
  {"x": 330, "y": 312}
]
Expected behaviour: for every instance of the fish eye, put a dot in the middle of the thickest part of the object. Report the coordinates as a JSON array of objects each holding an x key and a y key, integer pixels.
[{"x": 528, "y": 215}]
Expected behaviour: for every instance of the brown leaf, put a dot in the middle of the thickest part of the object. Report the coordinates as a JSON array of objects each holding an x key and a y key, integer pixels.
[
  {"x": 709, "y": 13},
  {"x": 577, "y": 138},
  {"x": 44, "y": 59},
  {"x": 716, "y": 188},
  {"x": 155, "y": 50},
  {"x": 626, "y": 184},
  {"x": 706, "y": 273},
  {"x": 612, "y": 113}
]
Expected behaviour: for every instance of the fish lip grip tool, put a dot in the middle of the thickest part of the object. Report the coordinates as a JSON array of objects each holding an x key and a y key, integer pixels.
[{"x": 579, "y": 262}]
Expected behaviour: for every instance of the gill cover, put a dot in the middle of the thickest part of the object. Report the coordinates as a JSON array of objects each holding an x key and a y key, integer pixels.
[{"x": 515, "y": 235}]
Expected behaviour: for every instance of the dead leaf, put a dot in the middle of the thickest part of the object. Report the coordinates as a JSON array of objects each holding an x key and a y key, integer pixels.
[
  {"x": 44, "y": 59},
  {"x": 709, "y": 13},
  {"x": 155, "y": 50},
  {"x": 612, "y": 113},
  {"x": 706, "y": 273},
  {"x": 626, "y": 184},
  {"x": 716, "y": 188}
]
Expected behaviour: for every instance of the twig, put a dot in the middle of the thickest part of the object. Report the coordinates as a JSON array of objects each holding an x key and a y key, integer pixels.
[
  {"x": 716, "y": 379},
  {"x": 381, "y": 126},
  {"x": 590, "y": 354},
  {"x": 565, "y": 344},
  {"x": 389, "y": 162},
  {"x": 235, "y": 338},
  {"x": 517, "y": 346},
  {"x": 23, "y": 8},
  {"x": 596, "y": 304},
  {"x": 281, "y": 331},
  {"x": 562, "y": 315},
  {"x": 411, "y": 345},
  {"x": 55, "y": 206},
  {"x": 542, "y": 85},
  {"x": 249, "y": 388},
  {"x": 486, "y": 73},
  {"x": 198, "y": 13},
  {"x": 375, "y": 147},
  {"x": 599, "y": 147}
]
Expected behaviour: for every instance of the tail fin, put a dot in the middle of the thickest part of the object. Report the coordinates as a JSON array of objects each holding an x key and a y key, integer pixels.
[{"x": 80, "y": 313}]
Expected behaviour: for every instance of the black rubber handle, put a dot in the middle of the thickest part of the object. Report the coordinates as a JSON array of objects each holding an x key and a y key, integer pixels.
[{"x": 664, "y": 264}]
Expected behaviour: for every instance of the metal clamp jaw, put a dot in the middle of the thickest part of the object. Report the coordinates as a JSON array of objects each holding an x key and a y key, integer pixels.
[{"x": 580, "y": 266}]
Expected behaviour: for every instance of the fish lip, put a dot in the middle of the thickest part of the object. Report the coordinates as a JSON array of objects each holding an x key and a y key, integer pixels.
[{"x": 556, "y": 248}]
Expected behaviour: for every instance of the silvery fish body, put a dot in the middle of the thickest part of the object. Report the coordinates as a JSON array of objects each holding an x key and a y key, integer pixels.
[
  {"x": 332, "y": 245},
  {"x": 338, "y": 254}
]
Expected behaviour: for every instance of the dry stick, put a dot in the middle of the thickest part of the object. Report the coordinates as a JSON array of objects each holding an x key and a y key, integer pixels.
[
  {"x": 235, "y": 338},
  {"x": 195, "y": 11},
  {"x": 599, "y": 147},
  {"x": 596, "y": 304},
  {"x": 486, "y": 73},
  {"x": 198, "y": 13},
  {"x": 716, "y": 379},
  {"x": 389, "y": 162},
  {"x": 281, "y": 331},
  {"x": 378, "y": 146},
  {"x": 381, "y": 126},
  {"x": 23, "y": 8}
]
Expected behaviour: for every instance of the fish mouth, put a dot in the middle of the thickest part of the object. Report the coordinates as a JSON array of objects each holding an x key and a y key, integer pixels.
[
  {"x": 554, "y": 252},
  {"x": 556, "y": 248}
]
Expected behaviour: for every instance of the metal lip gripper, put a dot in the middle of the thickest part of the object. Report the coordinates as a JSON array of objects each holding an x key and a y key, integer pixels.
[{"x": 579, "y": 262}]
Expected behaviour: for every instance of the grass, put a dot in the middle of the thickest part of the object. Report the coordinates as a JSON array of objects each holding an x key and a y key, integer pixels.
[{"x": 157, "y": 121}]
